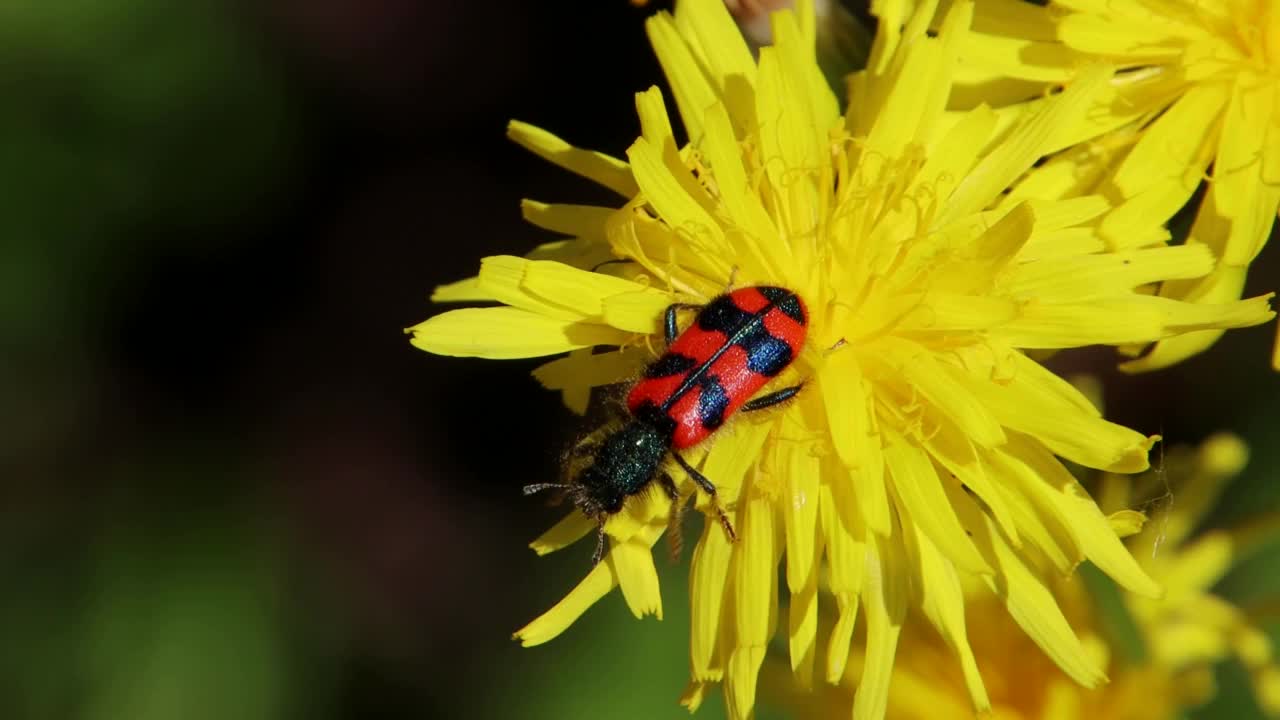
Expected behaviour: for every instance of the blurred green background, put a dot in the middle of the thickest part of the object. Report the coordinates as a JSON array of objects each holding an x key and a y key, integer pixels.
[{"x": 231, "y": 488}]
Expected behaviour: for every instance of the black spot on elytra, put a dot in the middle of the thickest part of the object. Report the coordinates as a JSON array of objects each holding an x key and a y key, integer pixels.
[
  {"x": 650, "y": 414},
  {"x": 721, "y": 315},
  {"x": 670, "y": 364},
  {"x": 712, "y": 402},
  {"x": 786, "y": 301},
  {"x": 766, "y": 354}
]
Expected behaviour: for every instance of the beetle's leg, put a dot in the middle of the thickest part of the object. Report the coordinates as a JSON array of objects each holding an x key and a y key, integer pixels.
[
  {"x": 675, "y": 528},
  {"x": 598, "y": 555},
  {"x": 772, "y": 398},
  {"x": 709, "y": 489},
  {"x": 669, "y": 323}
]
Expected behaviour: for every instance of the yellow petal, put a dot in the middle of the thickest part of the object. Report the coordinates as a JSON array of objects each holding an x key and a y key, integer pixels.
[
  {"x": 932, "y": 379},
  {"x": 550, "y": 624},
  {"x": 643, "y": 515},
  {"x": 1028, "y": 60},
  {"x": 955, "y": 452},
  {"x": 733, "y": 450},
  {"x": 795, "y": 38},
  {"x": 945, "y": 311},
  {"x": 678, "y": 200},
  {"x": 789, "y": 143},
  {"x": 632, "y": 562},
  {"x": 1026, "y": 144},
  {"x": 885, "y": 598},
  {"x": 840, "y": 637},
  {"x": 1036, "y": 611},
  {"x": 638, "y": 311},
  {"x": 756, "y": 572},
  {"x": 910, "y": 87},
  {"x": 467, "y": 290},
  {"x": 802, "y": 633},
  {"x": 1054, "y": 215},
  {"x": 800, "y": 515},
  {"x": 568, "y": 531},
  {"x": 577, "y": 370},
  {"x": 594, "y": 166},
  {"x": 1172, "y": 144},
  {"x": 841, "y": 385},
  {"x": 1126, "y": 523},
  {"x": 1039, "y": 528},
  {"x": 582, "y": 291},
  {"x": 1068, "y": 243},
  {"x": 1088, "y": 277},
  {"x": 951, "y": 34},
  {"x": 797, "y": 49},
  {"x": 655, "y": 126},
  {"x": 1048, "y": 482},
  {"x": 740, "y": 202},
  {"x": 979, "y": 264},
  {"x": 689, "y": 82},
  {"x": 587, "y": 253},
  {"x": 851, "y": 419},
  {"x": 740, "y": 681},
  {"x": 1238, "y": 167},
  {"x": 845, "y": 551},
  {"x": 1034, "y": 377},
  {"x": 1015, "y": 18},
  {"x": 942, "y": 598},
  {"x": 1078, "y": 435},
  {"x": 1107, "y": 35},
  {"x": 952, "y": 156},
  {"x": 503, "y": 277},
  {"x": 708, "y": 578},
  {"x": 1137, "y": 222},
  {"x": 503, "y": 333},
  {"x": 728, "y": 59},
  {"x": 1073, "y": 172},
  {"x": 756, "y": 597},
  {"x": 920, "y": 491},
  {"x": 693, "y": 696},
  {"x": 1134, "y": 319},
  {"x": 572, "y": 220}
]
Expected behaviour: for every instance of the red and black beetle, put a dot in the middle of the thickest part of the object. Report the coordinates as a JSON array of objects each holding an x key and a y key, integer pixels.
[{"x": 738, "y": 342}]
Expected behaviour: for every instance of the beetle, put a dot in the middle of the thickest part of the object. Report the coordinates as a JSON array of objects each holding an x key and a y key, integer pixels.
[{"x": 737, "y": 343}]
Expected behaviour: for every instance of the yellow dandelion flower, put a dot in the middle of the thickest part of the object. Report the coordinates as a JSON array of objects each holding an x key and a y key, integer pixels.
[
  {"x": 1198, "y": 87},
  {"x": 923, "y": 452},
  {"x": 1181, "y": 637}
]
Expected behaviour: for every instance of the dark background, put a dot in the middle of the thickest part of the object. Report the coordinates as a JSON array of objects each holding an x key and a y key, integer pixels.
[{"x": 231, "y": 487}]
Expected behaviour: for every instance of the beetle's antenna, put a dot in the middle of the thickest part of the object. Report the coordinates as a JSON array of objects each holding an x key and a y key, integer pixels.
[
  {"x": 599, "y": 553},
  {"x": 539, "y": 487}
]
